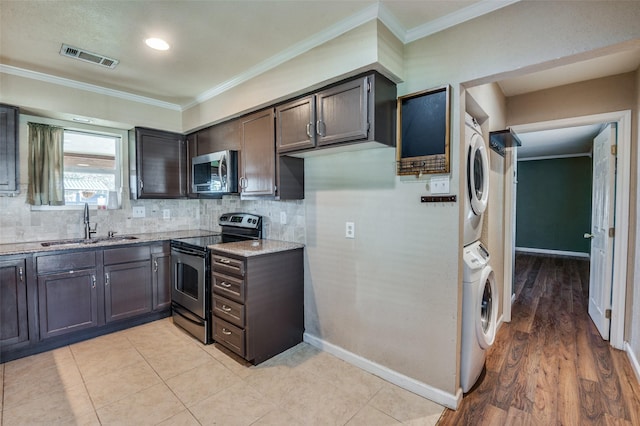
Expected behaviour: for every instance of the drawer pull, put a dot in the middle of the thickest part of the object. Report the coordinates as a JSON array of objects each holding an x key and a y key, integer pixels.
[
  {"x": 225, "y": 308},
  {"x": 226, "y": 332},
  {"x": 225, "y": 284},
  {"x": 225, "y": 261}
]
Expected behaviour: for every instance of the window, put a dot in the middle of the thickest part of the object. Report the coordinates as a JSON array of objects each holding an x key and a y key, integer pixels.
[{"x": 91, "y": 169}]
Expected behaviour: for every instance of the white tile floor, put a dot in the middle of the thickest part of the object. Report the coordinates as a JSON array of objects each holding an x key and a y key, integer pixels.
[{"x": 156, "y": 374}]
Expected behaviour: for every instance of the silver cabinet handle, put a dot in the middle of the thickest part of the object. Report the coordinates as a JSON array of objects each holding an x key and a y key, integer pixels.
[
  {"x": 225, "y": 284},
  {"x": 225, "y": 261},
  {"x": 225, "y": 331},
  {"x": 93, "y": 281},
  {"x": 106, "y": 278},
  {"x": 321, "y": 129},
  {"x": 225, "y": 308},
  {"x": 588, "y": 236},
  {"x": 21, "y": 274},
  {"x": 155, "y": 265},
  {"x": 309, "y": 129}
]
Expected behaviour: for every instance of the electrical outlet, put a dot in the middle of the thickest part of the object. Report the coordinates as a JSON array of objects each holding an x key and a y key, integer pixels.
[
  {"x": 440, "y": 185},
  {"x": 138, "y": 211},
  {"x": 350, "y": 230},
  {"x": 166, "y": 214},
  {"x": 283, "y": 218}
]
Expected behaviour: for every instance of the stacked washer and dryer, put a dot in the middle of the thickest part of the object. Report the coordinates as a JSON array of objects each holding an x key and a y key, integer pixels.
[{"x": 479, "y": 295}]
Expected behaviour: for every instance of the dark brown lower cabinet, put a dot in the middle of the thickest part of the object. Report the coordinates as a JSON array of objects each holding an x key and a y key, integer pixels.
[
  {"x": 161, "y": 279},
  {"x": 257, "y": 302},
  {"x": 67, "y": 302},
  {"x": 14, "y": 324},
  {"x": 127, "y": 290}
]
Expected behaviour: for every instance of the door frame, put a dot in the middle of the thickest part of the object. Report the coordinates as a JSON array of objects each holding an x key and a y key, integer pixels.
[{"x": 622, "y": 196}]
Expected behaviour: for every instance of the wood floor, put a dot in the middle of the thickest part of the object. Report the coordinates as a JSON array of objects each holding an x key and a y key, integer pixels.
[{"x": 549, "y": 366}]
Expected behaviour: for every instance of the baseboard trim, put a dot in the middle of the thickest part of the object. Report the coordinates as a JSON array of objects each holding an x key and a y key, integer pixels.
[
  {"x": 436, "y": 395},
  {"x": 550, "y": 252},
  {"x": 633, "y": 360}
]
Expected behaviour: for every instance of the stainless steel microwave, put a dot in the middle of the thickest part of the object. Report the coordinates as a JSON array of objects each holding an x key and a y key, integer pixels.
[{"x": 215, "y": 173}]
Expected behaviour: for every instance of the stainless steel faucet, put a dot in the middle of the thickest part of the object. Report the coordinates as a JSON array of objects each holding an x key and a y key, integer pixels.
[{"x": 87, "y": 225}]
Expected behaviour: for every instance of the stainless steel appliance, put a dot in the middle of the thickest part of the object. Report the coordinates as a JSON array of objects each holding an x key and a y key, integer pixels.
[
  {"x": 191, "y": 271},
  {"x": 215, "y": 173}
]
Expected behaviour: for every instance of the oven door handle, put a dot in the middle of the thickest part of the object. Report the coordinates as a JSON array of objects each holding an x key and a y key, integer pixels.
[{"x": 188, "y": 252}]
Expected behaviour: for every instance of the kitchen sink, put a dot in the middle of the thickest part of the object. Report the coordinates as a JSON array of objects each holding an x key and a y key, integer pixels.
[{"x": 83, "y": 241}]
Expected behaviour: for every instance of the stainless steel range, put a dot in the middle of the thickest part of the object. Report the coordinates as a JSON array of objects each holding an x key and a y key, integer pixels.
[{"x": 191, "y": 271}]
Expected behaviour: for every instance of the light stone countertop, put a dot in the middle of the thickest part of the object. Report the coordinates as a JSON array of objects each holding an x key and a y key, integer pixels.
[
  {"x": 36, "y": 246},
  {"x": 255, "y": 247}
]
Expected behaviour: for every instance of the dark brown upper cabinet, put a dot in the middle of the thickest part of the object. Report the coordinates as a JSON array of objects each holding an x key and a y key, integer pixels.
[
  {"x": 157, "y": 164},
  {"x": 359, "y": 110},
  {"x": 9, "y": 178},
  {"x": 257, "y": 172}
]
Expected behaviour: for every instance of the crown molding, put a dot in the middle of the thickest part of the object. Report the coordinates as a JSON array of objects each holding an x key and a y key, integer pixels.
[
  {"x": 458, "y": 17},
  {"x": 346, "y": 25},
  {"x": 47, "y": 78}
]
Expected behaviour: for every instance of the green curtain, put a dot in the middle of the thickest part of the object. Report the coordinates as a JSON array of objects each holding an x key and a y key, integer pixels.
[{"x": 46, "y": 186}]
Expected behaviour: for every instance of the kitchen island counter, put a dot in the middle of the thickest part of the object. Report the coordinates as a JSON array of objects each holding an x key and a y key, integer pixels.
[{"x": 255, "y": 247}]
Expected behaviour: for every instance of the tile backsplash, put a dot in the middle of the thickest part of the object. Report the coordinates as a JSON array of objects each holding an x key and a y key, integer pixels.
[{"x": 18, "y": 223}]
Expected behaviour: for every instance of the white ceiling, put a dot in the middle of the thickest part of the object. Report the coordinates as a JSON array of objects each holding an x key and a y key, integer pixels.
[
  {"x": 219, "y": 43},
  {"x": 558, "y": 142},
  {"x": 214, "y": 43}
]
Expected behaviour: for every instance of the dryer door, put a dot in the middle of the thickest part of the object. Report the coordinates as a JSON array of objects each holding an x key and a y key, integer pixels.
[
  {"x": 478, "y": 174},
  {"x": 487, "y": 309}
]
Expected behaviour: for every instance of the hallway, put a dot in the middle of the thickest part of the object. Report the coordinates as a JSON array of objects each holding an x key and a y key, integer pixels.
[{"x": 549, "y": 366}]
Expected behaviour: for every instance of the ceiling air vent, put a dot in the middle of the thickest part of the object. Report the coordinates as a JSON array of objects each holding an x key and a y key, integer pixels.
[{"x": 85, "y": 55}]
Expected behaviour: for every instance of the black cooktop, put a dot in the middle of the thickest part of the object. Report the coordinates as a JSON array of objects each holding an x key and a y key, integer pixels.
[{"x": 200, "y": 242}]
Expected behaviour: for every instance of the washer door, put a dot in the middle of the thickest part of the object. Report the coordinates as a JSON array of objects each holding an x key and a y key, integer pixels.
[
  {"x": 477, "y": 174},
  {"x": 486, "y": 308}
]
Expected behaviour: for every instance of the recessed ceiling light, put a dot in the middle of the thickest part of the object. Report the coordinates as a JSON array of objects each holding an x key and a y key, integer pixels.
[{"x": 157, "y": 43}]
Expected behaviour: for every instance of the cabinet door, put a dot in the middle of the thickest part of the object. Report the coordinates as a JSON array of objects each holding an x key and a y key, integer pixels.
[
  {"x": 161, "y": 164},
  {"x": 258, "y": 154},
  {"x": 14, "y": 327},
  {"x": 161, "y": 278},
  {"x": 342, "y": 113},
  {"x": 8, "y": 148},
  {"x": 127, "y": 290},
  {"x": 295, "y": 125},
  {"x": 67, "y": 302}
]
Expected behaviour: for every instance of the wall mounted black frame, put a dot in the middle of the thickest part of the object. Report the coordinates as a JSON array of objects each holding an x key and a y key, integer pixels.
[{"x": 424, "y": 132}]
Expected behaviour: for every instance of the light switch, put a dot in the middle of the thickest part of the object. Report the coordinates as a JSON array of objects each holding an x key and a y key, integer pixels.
[{"x": 439, "y": 185}]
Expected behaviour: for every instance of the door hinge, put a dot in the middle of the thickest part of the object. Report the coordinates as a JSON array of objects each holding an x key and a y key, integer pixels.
[
  {"x": 612, "y": 232},
  {"x": 614, "y": 149},
  {"x": 607, "y": 313}
]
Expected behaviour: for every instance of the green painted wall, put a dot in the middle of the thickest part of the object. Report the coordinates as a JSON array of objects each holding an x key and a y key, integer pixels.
[{"x": 553, "y": 207}]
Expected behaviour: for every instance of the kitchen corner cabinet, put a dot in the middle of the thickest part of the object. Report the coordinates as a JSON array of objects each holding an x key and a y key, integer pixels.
[
  {"x": 257, "y": 172},
  {"x": 127, "y": 282},
  {"x": 161, "y": 276},
  {"x": 359, "y": 110},
  {"x": 9, "y": 142},
  {"x": 14, "y": 320},
  {"x": 157, "y": 164},
  {"x": 67, "y": 292},
  {"x": 257, "y": 302}
]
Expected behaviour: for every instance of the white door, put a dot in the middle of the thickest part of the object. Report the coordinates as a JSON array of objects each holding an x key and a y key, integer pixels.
[{"x": 602, "y": 215}]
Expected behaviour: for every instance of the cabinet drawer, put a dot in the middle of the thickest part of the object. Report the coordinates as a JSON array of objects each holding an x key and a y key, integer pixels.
[
  {"x": 227, "y": 265},
  {"x": 66, "y": 262},
  {"x": 228, "y": 310},
  {"x": 228, "y": 335},
  {"x": 127, "y": 254},
  {"x": 227, "y": 286}
]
